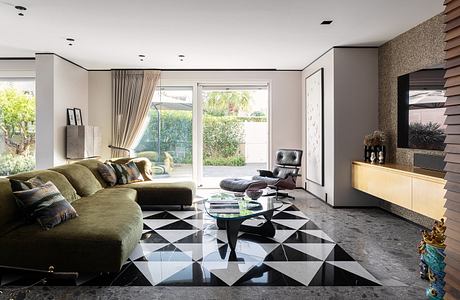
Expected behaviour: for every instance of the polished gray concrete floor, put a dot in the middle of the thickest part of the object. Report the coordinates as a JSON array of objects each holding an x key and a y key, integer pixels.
[{"x": 384, "y": 244}]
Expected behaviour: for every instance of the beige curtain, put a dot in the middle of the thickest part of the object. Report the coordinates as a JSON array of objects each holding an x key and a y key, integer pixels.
[{"x": 132, "y": 92}]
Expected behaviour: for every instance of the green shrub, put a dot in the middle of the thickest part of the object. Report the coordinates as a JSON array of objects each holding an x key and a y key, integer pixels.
[
  {"x": 426, "y": 136},
  {"x": 222, "y": 136},
  {"x": 175, "y": 135},
  {"x": 11, "y": 164},
  {"x": 235, "y": 161},
  {"x": 221, "y": 139}
]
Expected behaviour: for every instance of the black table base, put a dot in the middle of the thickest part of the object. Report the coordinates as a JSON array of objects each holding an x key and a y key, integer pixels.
[{"x": 233, "y": 226}]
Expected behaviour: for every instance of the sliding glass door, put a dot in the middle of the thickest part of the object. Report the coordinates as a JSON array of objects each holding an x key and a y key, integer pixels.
[
  {"x": 234, "y": 126},
  {"x": 167, "y": 139},
  {"x": 207, "y": 132}
]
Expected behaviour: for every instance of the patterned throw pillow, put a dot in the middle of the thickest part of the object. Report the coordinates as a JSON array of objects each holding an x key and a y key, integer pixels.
[
  {"x": 21, "y": 185},
  {"x": 127, "y": 173},
  {"x": 108, "y": 173},
  {"x": 46, "y": 205}
]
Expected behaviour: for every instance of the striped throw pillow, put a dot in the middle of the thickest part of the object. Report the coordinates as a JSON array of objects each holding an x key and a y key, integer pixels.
[
  {"x": 108, "y": 173},
  {"x": 46, "y": 205},
  {"x": 127, "y": 173}
]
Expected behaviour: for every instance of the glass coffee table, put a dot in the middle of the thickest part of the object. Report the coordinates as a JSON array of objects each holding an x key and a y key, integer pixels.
[{"x": 231, "y": 211}]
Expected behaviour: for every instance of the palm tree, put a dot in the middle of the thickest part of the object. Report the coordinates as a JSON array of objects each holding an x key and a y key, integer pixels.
[{"x": 227, "y": 103}]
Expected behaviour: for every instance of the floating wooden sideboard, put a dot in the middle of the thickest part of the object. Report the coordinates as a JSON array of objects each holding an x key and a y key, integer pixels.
[{"x": 413, "y": 188}]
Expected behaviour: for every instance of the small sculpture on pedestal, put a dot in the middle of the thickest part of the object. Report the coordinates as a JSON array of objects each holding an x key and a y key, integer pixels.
[
  {"x": 381, "y": 157},
  {"x": 431, "y": 249},
  {"x": 372, "y": 157}
]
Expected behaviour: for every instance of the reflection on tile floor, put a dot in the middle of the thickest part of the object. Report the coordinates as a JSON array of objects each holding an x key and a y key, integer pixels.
[{"x": 186, "y": 248}]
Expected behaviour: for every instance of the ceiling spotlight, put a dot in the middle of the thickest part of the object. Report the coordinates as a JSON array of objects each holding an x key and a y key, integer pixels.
[
  {"x": 70, "y": 40},
  {"x": 141, "y": 57},
  {"x": 326, "y": 22},
  {"x": 181, "y": 57},
  {"x": 20, "y": 9}
]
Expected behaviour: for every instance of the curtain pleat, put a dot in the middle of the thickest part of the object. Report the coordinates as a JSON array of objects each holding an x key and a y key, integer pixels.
[{"x": 132, "y": 92}]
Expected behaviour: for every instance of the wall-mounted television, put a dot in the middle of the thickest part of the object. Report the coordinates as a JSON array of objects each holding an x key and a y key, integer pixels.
[{"x": 421, "y": 109}]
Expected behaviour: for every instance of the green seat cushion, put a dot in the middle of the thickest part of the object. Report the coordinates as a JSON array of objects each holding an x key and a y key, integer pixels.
[
  {"x": 108, "y": 228},
  {"x": 82, "y": 179},
  {"x": 162, "y": 193},
  {"x": 10, "y": 215},
  {"x": 59, "y": 180},
  {"x": 93, "y": 165}
]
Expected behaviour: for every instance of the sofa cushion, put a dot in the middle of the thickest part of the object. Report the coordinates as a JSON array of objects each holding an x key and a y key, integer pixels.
[
  {"x": 46, "y": 205},
  {"x": 107, "y": 172},
  {"x": 10, "y": 215},
  {"x": 93, "y": 165},
  {"x": 82, "y": 179},
  {"x": 108, "y": 228},
  {"x": 127, "y": 173},
  {"x": 143, "y": 164},
  {"x": 163, "y": 193},
  {"x": 59, "y": 180},
  {"x": 21, "y": 185}
]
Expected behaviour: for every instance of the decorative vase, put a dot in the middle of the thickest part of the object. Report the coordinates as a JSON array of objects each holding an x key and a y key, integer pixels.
[{"x": 254, "y": 194}]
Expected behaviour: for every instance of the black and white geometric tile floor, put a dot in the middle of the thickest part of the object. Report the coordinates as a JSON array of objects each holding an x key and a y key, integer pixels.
[{"x": 185, "y": 248}]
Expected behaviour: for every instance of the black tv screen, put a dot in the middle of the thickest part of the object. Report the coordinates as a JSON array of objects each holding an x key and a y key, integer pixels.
[{"x": 421, "y": 107}]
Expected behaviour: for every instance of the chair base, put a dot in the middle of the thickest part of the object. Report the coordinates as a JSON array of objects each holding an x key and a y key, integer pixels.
[{"x": 279, "y": 194}]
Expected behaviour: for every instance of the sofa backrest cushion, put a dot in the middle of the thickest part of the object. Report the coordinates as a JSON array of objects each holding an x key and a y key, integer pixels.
[
  {"x": 9, "y": 210},
  {"x": 93, "y": 165},
  {"x": 59, "y": 180},
  {"x": 82, "y": 179}
]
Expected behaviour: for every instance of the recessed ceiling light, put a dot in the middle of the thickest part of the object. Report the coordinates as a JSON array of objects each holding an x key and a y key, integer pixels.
[
  {"x": 141, "y": 56},
  {"x": 70, "y": 40},
  {"x": 181, "y": 57},
  {"x": 326, "y": 22},
  {"x": 20, "y": 9}
]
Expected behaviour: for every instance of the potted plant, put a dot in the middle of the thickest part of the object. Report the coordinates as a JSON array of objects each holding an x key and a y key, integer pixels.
[{"x": 374, "y": 148}]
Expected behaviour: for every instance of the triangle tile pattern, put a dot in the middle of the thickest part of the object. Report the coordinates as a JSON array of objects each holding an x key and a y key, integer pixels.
[{"x": 186, "y": 248}]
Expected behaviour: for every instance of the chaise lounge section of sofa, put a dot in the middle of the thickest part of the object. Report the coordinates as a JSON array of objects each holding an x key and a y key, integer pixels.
[{"x": 101, "y": 239}]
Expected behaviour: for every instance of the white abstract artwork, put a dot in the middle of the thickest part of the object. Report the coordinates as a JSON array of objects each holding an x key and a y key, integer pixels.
[{"x": 314, "y": 127}]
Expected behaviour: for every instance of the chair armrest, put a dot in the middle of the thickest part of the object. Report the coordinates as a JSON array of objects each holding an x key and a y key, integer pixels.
[
  {"x": 294, "y": 176},
  {"x": 266, "y": 173}
]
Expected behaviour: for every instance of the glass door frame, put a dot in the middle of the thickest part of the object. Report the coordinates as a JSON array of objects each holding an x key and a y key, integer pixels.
[{"x": 197, "y": 116}]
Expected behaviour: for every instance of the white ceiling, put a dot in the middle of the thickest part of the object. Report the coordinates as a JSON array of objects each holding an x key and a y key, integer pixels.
[{"x": 212, "y": 34}]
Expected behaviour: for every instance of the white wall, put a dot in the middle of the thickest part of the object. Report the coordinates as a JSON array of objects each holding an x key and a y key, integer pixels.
[
  {"x": 100, "y": 107},
  {"x": 285, "y": 102},
  {"x": 59, "y": 85},
  {"x": 350, "y": 112},
  {"x": 17, "y": 68},
  {"x": 44, "y": 89},
  {"x": 325, "y": 192},
  {"x": 356, "y": 114}
]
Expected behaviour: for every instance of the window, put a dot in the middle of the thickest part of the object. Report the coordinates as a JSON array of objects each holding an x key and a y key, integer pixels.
[
  {"x": 421, "y": 110},
  {"x": 17, "y": 125}
]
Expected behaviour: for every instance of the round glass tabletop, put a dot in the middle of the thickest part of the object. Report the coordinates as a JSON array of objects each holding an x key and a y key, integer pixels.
[{"x": 225, "y": 206}]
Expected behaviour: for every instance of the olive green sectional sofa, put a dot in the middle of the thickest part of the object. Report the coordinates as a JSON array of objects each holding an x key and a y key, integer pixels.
[{"x": 108, "y": 228}]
